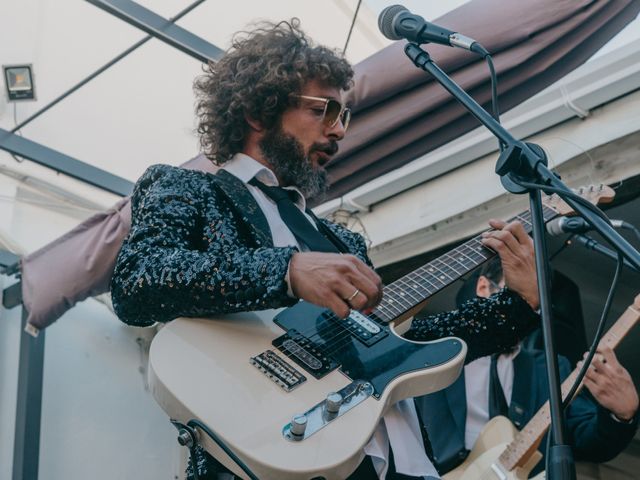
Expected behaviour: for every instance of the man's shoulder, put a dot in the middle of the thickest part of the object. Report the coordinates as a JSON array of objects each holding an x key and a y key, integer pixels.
[
  {"x": 164, "y": 171},
  {"x": 160, "y": 177}
]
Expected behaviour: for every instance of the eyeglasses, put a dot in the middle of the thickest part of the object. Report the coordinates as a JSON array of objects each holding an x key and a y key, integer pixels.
[{"x": 333, "y": 111}]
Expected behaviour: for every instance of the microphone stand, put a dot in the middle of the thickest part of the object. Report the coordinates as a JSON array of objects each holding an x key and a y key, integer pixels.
[
  {"x": 520, "y": 161},
  {"x": 591, "y": 244}
]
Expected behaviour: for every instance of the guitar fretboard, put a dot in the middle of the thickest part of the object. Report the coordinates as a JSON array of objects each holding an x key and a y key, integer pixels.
[
  {"x": 526, "y": 441},
  {"x": 413, "y": 289}
]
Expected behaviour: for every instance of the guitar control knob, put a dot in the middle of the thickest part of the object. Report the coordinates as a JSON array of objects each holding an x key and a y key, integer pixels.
[
  {"x": 298, "y": 425},
  {"x": 333, "y": 402}
]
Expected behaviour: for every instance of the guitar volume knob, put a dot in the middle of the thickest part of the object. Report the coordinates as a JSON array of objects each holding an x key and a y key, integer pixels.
[
  {"x": 333, "y": 402},
  {"x": 298, "y": 425}
]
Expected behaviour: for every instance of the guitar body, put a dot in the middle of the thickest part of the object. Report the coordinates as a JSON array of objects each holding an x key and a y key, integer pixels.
[
  {"x": 482, "y": 462},
  {"x": 202, "y": 368}
]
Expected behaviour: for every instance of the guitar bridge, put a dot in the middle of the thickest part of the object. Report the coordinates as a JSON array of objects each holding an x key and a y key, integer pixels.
[{"x": 277, "y": 370}]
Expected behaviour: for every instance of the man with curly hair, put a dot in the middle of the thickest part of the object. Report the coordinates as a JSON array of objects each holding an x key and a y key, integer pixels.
[{"x": 271, "y": 116}]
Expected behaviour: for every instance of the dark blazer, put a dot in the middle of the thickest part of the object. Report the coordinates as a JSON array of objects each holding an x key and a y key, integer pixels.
[
  {"x": 595, "y": 436},
  {"x": 201, "y": 236}
]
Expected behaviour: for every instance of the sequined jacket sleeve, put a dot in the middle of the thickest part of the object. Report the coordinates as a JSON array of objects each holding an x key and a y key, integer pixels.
[
  {"x": 189, "y": 253},
  {"x": 487, "y": 325}
]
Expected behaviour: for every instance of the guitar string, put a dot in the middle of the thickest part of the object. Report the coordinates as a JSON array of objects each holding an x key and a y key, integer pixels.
[
  {"x": 397, "y": 302},
  {"x": 392, "y": 305},
  {"x": 393, "y": 298},
  {"x": 344, "y": 337},
  {"x": 344, "y": 334}
]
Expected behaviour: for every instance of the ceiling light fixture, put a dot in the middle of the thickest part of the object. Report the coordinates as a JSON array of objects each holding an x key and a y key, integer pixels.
[{"x": 19, "y": 82}]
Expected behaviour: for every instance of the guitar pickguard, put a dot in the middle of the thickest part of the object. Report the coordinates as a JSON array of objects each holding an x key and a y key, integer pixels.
[{"x": 361, "y": 347}]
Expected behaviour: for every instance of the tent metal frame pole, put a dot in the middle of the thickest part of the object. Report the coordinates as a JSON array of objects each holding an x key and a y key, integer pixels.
[
  {"x": 100, "y": 70},
  {"x": 63, "y": 163},
  {"x": 161, "y": 28},
  {"x": 26, "y": 447}
]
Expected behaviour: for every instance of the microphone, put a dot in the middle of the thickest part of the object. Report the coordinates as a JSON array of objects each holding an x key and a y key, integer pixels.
[
  {"x": 561, "y": 225},
  {"x": 396, "y": 22},
  {"x": 591, "y": 244}
]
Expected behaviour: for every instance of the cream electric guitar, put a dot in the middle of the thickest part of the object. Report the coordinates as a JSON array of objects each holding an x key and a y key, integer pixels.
[
  {"x": 504, "y": 453},
  {"x": 297, "y": 393}
]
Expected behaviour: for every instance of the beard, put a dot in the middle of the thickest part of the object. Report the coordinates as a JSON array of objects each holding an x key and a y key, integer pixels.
[{"x": 292, "y": 165}]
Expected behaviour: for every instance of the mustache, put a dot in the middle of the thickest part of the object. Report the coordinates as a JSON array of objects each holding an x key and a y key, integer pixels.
[{"x": 330, "y": 148}]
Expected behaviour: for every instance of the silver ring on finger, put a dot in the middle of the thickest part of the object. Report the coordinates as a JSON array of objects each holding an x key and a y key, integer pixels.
[{"x": 353, "y": 295}]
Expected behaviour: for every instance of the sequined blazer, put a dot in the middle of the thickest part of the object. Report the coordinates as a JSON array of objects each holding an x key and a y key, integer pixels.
[{"x": 200, "y": 245}]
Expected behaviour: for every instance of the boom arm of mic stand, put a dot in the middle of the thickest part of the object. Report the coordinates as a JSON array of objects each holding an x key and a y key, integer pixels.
[{"x": 520, "y": 162}]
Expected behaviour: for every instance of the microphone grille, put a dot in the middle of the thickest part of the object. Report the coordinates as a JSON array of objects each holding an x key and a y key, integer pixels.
[
  {"x": 385, "y": 21},
  {"x": 554, "y": 227}
]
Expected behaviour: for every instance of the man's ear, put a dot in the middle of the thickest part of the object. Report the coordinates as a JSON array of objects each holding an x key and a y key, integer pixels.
[
  {"x": 254, "y": 124},
  {"x": 483, "y": 287}
]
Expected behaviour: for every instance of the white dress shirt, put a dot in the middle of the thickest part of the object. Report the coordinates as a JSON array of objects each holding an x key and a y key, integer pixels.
[
  {"x": 476, "y": 383},
  {"x": 399, "y": 426},
  {"x": 245, "y": 168}
]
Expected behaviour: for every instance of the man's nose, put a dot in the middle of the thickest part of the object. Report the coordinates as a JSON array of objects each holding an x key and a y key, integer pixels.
[{"x": 337, "y": 131}]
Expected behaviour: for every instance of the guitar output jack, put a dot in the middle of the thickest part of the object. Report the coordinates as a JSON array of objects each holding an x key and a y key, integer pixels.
[{"x": 187, "y": 436}]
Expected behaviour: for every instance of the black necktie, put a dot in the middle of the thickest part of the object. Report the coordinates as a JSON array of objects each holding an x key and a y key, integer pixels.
[
  {"x": 497, "y": 401},
  {"x": 293, "y": 217}
]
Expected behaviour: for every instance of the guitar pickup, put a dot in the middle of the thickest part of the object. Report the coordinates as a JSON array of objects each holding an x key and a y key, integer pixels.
[
  {"x": 305, "y": 353},
  {"x": 360, "y": 326}
]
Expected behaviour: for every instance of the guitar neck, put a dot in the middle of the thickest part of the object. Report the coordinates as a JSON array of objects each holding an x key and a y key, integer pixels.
[
  {"x": 527, "y": 440},
  {"x": 410, "y": 292}
]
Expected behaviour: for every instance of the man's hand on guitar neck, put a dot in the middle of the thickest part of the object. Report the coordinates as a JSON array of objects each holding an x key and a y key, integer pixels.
[
  {"x": 338, "y": 282},
  {"x": 515, "y": 247},
  {"x": 611, "y": 385}
]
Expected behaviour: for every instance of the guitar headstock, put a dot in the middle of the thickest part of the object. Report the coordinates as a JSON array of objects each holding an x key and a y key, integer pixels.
[{"x": 595, "y": 194}]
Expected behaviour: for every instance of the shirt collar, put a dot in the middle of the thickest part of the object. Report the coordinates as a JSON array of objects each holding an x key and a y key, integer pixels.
[{"x": 245, "y": 168}]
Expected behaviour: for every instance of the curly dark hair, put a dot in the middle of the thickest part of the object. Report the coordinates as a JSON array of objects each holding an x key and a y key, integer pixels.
[{"x": 256, "y": 78}]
